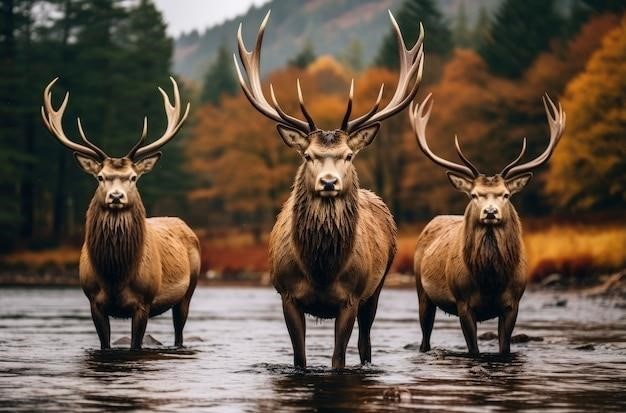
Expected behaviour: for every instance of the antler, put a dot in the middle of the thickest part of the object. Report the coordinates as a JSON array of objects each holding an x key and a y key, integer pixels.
[
  {"x": 54, "y": 122},
  {"x": 252, "y": 63},
  {"x": 556, "y": 121},
  {"x": 411, "y": 65},
  {"x": 419, "y": 120},
  {"x": 174, "y": 123}
]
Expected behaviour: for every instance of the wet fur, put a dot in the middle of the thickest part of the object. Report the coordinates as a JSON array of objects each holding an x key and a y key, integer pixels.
[
  {"x": 323, "y": 230},
  {"x": 320, "y": 242},
  {"x": 329, "y": 259},
  {"x": 460, "y": 264},
  {"x": 115, "y": 239},
  {"x": 130, "y": 264}
]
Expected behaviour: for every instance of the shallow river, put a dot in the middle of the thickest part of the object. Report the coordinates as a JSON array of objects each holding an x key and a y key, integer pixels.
[{"x": 238, "y": 358}]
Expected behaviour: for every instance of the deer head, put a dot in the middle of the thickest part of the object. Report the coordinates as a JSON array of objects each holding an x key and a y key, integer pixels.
[
  {"x": 117, "y": 177},
  {"x": 328, "y": 155},
  {"x": 489, "y": 194}
]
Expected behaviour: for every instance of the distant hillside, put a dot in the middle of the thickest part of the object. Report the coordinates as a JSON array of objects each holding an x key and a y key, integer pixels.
[{"x": 330, "y": 25}]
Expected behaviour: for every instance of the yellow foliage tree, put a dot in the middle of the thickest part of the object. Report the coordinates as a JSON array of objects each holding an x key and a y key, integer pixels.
[{"x": 588, "y": 167}]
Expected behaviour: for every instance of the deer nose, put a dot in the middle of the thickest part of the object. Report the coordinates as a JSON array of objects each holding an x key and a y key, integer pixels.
[
  {"x": 490, "y": 211},
  {"x": 328, "y": 182},
  {"x": 116, "y": 196}
]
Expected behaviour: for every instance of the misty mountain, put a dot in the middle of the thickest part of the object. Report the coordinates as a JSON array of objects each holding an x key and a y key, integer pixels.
[{"x": 329, "y": 25}]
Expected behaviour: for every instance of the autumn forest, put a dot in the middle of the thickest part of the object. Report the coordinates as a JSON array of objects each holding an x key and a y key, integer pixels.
[{"x": 228, "y": 173}]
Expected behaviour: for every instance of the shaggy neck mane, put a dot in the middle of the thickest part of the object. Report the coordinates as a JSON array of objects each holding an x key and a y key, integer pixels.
[
  {"x": 491, "y": 253},
  {"x": 115, "y": 239},
  {"x": 324, "y": 229}
]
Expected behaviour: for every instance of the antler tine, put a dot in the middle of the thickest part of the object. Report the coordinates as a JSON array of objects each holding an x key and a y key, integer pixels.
[
  {"x": 556, "y": 122},
  {"x": 507, "y": 168},
  {"x": 305, "y": 112},
  {"x": 88, "y": 142},
  {"x": 411, "y": 67},
  {"x": 355, "y": 123},
  {"x": 463, "y": 158},
  {"x": 419, "y": 120},
  {"x": 254, "y": 92},
  {"x": 346, "y": 117},
  {"x": 142, "y": 139},
  {"x": 53, "y": 121},
  {"x": 174, "y": 123}
]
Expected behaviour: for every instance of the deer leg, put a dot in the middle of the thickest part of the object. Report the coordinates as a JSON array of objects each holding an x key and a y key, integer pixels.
[
  {"x": 294, "y": 318},
  {"x": 101, "y": 321},
  {"x": 468, "y": 325},
  {"x": 343, "y": 330},
  {"x": 365, "y": 316},
  {"x": 140, "y": 321},
  {"x": 181, "y": 310},
  {"x": 427, "y": 310},
  {"x": 506, "y": 323},
  {"x": 179, "y": 316}
]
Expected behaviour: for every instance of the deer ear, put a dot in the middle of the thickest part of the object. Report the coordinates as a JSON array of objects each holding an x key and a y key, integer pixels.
[
  {"x": 460, "y": 182},
  {"x": 146, "y": 164},
  {"x": 87, "y": 164},
  {"x": 518, "y": 183},
  {"x": 360, "y": 138},
  {"x": 293, "y": 137}
]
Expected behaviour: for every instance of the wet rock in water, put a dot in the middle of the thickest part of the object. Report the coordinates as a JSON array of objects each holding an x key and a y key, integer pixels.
[
  {"x": 613, "y": 286},
  {"x": 123, "y": 341},
  {"x": 412, "y": 346},
  {"x": 585, "y": 347},
  {"x": 524, "y": 338},
  {"x": 489, "y": 335},
  {"x": 397, "y": 394},
  {"x": 148, "y": 340},
  {"x": 559, "y": 302},
  {"x": 193, "y": 339},
  {"x": 552, "y": 280},
  {"x": 479, "y": 371}
]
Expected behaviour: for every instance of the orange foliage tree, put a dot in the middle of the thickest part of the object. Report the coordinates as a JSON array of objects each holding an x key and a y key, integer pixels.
[
  {"x": 588, "y": 170},
  {"x": 244, "y": 172}
]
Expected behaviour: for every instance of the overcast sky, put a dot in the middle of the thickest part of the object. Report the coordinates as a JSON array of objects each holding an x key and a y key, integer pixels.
[{"x": 185, "y": 15}]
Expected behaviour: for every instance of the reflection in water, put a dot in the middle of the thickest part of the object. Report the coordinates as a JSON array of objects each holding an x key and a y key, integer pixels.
[
  {"x": 326, "y": 389},
  {"x": 49, "y": 359}
]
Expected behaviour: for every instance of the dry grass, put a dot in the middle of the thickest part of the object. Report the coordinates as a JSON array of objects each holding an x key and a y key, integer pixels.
[
  {"x": 573, "y": 250},
  {"x": 576, "y": 250},
  {"x": 62, "y": 257}
]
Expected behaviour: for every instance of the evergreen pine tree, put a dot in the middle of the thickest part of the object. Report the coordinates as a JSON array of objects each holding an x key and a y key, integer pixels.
[
  {"x": 409, "y": 17},
  {"x": 303, "y": 59},
  {"x": 520, "y": 31},
  {"x": 219, "y": 78},
  {"x": 9, "y": 153},
  {"x": 481, "y": 30},
  {"x": 461, "y": 33},
  {"x": 352, "y": 57}
]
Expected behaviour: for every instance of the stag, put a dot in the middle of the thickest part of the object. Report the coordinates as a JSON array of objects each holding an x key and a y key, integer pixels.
[
  {"x": 333, "y": 242},
  {"x": 130, "y": 266},
  {"x": 474, "y": 265}
]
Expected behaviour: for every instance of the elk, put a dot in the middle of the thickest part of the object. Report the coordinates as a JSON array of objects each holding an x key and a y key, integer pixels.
[
  {"x": 130, "y": 266},
  {"x": 333, "y": 242},
  {"x": 474, "y": 265}
]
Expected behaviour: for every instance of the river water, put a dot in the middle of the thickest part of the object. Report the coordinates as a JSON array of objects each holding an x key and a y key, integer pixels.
[{"x": 238, "y": 358}]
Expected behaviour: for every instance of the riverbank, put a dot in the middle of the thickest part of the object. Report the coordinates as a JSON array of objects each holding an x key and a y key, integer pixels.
[{"x": 574, "y": 255}]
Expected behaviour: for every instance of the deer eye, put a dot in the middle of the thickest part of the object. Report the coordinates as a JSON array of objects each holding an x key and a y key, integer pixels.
[
  {"x": 307, "y": 157},
  {"x": 474, "y": 196},
  {"x": 349, "y": 157},
  {"x": 133, "y": 178},
  {"x": 100, "y": 178},
  {"x": 506, "y": 196}
]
